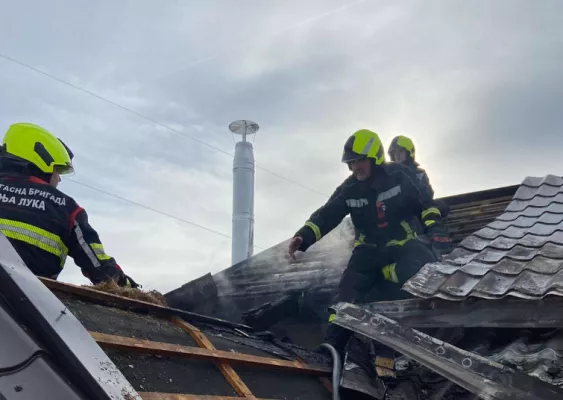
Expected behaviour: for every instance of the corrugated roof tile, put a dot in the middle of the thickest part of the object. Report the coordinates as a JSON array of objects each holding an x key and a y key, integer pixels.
[{"x": 519, "y": 254}]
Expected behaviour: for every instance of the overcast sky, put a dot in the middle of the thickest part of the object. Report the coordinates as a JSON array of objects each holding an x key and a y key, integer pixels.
[{"x": 477, "y": 84}]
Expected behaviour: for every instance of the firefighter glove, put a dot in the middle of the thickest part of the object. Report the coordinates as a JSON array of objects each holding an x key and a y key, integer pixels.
[
  {"x": 127, "y": 281},
  {"x": 294, "y": 246},
  {"x": 441, "y": 244}
]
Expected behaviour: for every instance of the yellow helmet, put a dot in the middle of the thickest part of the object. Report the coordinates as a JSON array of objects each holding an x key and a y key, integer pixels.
[
  {"x": 404, "y": 143},
  {"x": 364, "y": 144},
  {"x": 37, "y": 146}
]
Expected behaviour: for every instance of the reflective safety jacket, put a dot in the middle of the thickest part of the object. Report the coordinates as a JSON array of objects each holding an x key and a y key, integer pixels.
[
  {"x": 44, "y": 225},
  {"x": 385, "y": 209}
]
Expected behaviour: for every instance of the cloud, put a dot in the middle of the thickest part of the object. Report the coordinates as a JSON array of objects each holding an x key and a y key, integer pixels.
[{"x": 476, "y": 84}]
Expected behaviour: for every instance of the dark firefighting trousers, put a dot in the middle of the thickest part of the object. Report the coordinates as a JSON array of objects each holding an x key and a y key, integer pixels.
[{"x": 377, "y": 274}]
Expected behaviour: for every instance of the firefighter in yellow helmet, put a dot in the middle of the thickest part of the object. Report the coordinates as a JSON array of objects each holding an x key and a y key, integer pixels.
[
  {"x": 43, "y": 224},
  {"x": 383, "y": 199},
  {"x": 402, "y": 151}
]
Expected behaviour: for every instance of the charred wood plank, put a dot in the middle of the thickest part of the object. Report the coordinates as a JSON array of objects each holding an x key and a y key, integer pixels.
[
  {"x": 167, "y": 349},
  {"x": 475, "y": 313},
  {"x": 228, "y": 372},
  {"x": 482, "y": 377},
  {"x": 193, "y": 294},
  {"x": 479, "y": 203}
]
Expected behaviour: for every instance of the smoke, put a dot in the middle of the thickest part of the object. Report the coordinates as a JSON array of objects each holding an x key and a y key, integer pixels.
[
  {"x": 272, "y": 271},
  {"x": 270, "y": 274}
]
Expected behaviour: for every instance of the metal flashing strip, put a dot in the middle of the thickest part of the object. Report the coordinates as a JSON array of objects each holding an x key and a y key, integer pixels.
[
  {"x": 486, "y": 379},
  {"x": 473, "y": 312}
]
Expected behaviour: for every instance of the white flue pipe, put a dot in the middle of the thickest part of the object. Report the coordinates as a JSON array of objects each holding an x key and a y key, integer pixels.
[{"x": 243, "y": 203}]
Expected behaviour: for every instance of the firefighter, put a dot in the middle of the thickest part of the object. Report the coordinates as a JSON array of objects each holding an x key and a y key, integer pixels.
[
  {"x": 43, "y": 224},
  {"x": 402, "y": 151},
  {"x": 383, "y": 199}
]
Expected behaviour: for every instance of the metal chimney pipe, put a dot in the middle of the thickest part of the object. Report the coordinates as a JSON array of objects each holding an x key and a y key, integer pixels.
[{"x": 243, "y": 193}]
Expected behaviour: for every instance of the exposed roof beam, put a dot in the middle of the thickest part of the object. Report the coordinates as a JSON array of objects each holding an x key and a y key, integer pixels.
[
  {"x": 168, "y": 349},
  {"x": 228, "y": 372}
]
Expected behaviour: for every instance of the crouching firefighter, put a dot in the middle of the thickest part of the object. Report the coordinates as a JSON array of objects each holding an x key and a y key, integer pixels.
[
  {"x": 382, "y": 199},
  {"x": 402, "y": 151},
  {"x": 43, "y": 224}
]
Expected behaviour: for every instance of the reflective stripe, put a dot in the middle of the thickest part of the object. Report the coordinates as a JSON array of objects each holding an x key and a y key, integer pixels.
[
  {"x": 431, "y": 210},
  {"x": 429, "y": 222},
  {"x": 367, "y": 147},
  {"x": 397, "y": 242},
  {"x": 361, "y": 240},
  {"x": 410, "y": 235},
  {"x": 316, "y": 230},
  {"x": 99, "y": 251},
  {"x": 34, "y": 236},
  {"x": 394, "y": 191},
  {"x": 332, "y": 317},
  {"x": 408, "y": 229},
  {"x": 356, "y": 203},
  {"x": 84, "y": 245},
  {"x": 390, "y": 274}
]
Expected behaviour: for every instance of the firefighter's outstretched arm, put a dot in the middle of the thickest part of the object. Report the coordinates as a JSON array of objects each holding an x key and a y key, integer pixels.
[
  {"x": 321, "y": 222},
  {"x": 88, "y": 252}
]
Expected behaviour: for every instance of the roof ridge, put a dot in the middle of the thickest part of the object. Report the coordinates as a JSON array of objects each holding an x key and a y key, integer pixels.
[{"x": 530, "y": 181}]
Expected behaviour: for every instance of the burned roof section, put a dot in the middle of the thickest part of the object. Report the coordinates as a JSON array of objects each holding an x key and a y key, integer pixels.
[
  {"x": 510, "y": 372},
  {"x": 165, "y": 357},
  {"x": 269, "y": 277},
  {"x": 518, "y": 254}
]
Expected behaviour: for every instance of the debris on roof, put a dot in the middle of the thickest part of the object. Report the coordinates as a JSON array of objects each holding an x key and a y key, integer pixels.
[
  {"x": 152, "y": 296},
  {"x": 81, "y": 343},
  {"x": 509, "y": 346},
  {"x": 162, "y": 354},
  {"x": 482, "y": 376},
  {"x": 509, "y": 312},
  {"x": 267, "y": 288},
  {"x": 519, "y": 254},
  {"x": 507, "y": 240}
]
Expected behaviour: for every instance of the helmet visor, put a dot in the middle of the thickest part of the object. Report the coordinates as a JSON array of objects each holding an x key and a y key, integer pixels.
[
  {"x": 350, "y": 156},
  {"x": 64, "y": 169}
]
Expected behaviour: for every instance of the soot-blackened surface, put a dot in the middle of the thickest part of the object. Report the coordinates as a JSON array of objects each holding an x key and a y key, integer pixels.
[
  {"x": 148, "y": 373},
  {"x": 270, "y": 384},
  {"x": 115, "y": 321},
  {"x": 255, "y": 347}
]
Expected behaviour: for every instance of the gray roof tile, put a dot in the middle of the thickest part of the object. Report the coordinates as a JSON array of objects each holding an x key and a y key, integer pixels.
[{"x": 519, "y": 254}]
